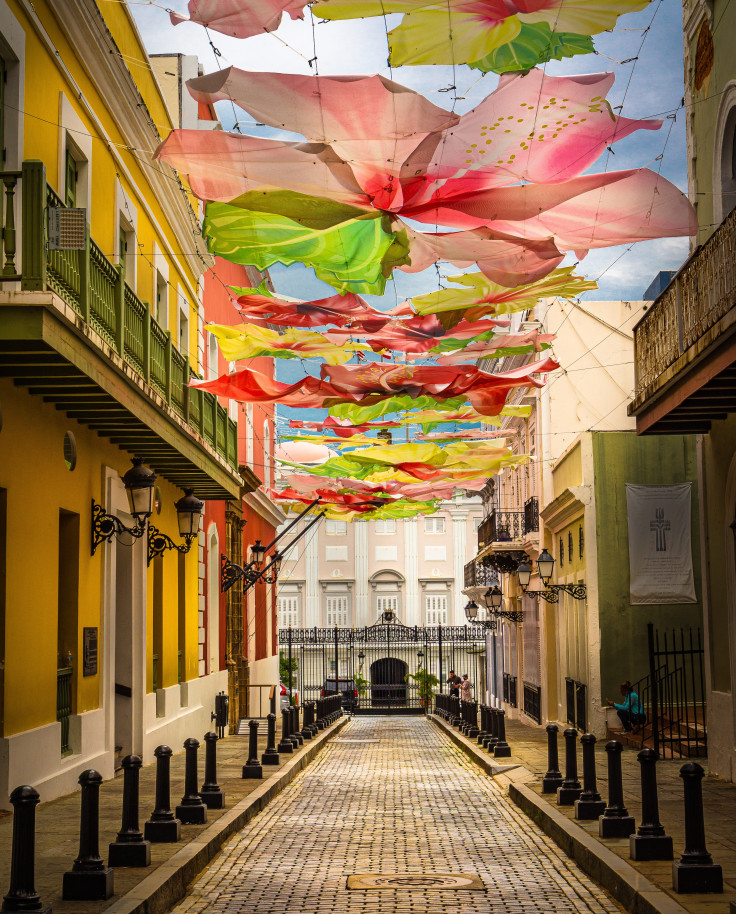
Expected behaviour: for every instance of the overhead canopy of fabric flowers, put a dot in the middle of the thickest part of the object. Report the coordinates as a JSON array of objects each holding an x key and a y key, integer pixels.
[
  {"x": 507, "y": 177},
  {"x": 489, "y": 35}
]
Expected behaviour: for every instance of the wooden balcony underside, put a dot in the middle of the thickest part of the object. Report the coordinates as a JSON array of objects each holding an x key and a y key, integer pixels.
[{"x": 51, "y": 358}]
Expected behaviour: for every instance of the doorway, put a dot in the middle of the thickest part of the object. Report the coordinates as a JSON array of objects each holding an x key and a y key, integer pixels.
[
  {"x": 388, "y": 685},
  {"x": 124, "y": 736}
]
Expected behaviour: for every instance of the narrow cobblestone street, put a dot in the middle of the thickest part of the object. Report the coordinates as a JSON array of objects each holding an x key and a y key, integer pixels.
[{"x": 391, "y": 795}]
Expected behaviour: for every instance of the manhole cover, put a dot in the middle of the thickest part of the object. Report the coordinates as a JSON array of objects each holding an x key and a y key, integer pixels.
[
  {"x": 345, "y": 740},
  {"x": 415, "y": 881}
]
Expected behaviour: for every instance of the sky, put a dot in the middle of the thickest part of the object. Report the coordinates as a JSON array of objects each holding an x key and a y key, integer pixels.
[{"x": 644, "y": 52}]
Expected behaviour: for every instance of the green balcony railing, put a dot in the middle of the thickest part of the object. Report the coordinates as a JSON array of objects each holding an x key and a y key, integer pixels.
[{"x": 96, "y": 290}]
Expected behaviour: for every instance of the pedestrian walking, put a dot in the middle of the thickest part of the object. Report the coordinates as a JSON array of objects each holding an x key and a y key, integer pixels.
[
  {"x": 453, "y": 680},
  {"x": 465, "y": 688}
]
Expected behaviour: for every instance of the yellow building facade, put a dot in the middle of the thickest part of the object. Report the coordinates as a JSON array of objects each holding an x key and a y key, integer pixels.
[{"x": 101, "y": 328}]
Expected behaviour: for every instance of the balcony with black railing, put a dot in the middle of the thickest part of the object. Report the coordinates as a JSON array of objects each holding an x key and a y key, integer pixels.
[
  {"x": 479, "y": 575},
  {"x": 531, "y": 515}
]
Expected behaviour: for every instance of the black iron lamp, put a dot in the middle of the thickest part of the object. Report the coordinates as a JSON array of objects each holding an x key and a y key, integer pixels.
[
  {"x": 493, "y": 598},
  {"x": 139, "y": 484},
  {"x": 471, "y": 610},
  {"x": 188, "y": 514},
  {"x": 257, "y": 570},
  {"x": 551, "y": 592}
]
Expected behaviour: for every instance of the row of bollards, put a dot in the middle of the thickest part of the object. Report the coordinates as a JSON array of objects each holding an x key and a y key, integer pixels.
[
  {"x": 695, "y": 870},
  {"x": 490, "y": 733},
  {"x": 89, "y": 878}
]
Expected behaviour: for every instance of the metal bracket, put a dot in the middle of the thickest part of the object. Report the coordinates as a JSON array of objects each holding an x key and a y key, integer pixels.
[
  {"x": 552, "y": 592},
  {"x": 159, "y": 542},
  {"x": 105, "y": 526}
]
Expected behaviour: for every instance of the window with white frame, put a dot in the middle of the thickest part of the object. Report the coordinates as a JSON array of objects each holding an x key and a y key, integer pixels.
[
  {"x": 336, "y": 527},
  {"x": 212, "y": 369},
  {"x": 435, "y": 609},
  {"x": 385, "y": 527},
  {"x": 434, "y": 524},
  {"x": 183, "y": 325},
  {"x": 336, "y": 611},
  {"x": 288, "y": 611},
  {"x": 387, "y": 603},
  {"x": 477, "y": 521},
  {"x": 162, "y": 300}
]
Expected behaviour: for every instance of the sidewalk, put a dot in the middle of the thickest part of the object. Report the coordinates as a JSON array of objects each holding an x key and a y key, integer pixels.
[
  {"x": 155, "y": 888},
  {"x": 529, "y": 749}
]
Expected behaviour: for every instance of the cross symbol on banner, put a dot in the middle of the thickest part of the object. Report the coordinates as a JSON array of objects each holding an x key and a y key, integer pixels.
[{"x": 660, "y": 526}]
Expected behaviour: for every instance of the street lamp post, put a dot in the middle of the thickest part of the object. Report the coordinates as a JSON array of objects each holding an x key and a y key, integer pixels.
[{"x": 551, "y": 592}]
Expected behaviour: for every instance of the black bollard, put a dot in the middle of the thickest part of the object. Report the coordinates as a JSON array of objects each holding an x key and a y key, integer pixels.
[
  {"x": 210, "y": 794},
  {"x": 473, "y": 731},
  {"x": 191, "y": 810},
  {"x": 695, "y": 870},
  {"x": 306, "y": 730},
  {"x": 483, "y": 732},
  {"x": 490, "y": 741},
  {"x": 252, "y": 768},
  {"x": 615, "y": 821},
  {"x": 570, "y": 788},
  {"x": 650, "y": 841},
  {"x": 286, "y": 744},
  {"x": 163, "y": 827},
  {"x": 89, "y": 879},
  {"x": 589, "y": 805},
  {"x": 130, "y": 848},
  {"x": 312, "y": 718},
  {"x": 270, "y": 756},
  {"x": 22, "y": 895},
  {"x": 553, "y": 779},
  {"x": 295, "y": 734},
  {"x": 502, "y": 748}
]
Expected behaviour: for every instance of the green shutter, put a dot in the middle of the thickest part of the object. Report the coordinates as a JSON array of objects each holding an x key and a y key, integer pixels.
[{"x": 70, "y": 194}]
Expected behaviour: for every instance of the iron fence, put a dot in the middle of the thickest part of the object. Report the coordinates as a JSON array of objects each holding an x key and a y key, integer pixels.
[
  {"x": 64, "y": 705},
  {"x": 531, "y": 515},
  {"x": 533, "y": 702},
  {"x": 509, "y": 689},
  {"x": 576, "y": 703},
  {"x": 390, "y": 666}
]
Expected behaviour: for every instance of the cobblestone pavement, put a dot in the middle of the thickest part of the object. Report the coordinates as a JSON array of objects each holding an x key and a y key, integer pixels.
[{"x": 391, "y": 795}]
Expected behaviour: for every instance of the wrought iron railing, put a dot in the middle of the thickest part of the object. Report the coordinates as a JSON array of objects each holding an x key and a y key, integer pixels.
[
  {"x": 531, "y": 515},
  {"x": 507, "y": 526},
  {"x": 533, "y": 702},
  {"x": 479, "y": 575},
  {"x": 64, "y": 705},
  {"x": 699, "y": 296},
  {"x": 576, "y": 703},
  {"x": 509, "y": 689},
  {"x": 96, "y": 290}
]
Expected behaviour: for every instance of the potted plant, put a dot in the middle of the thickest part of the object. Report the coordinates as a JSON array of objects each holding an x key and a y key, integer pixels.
[{"x": 426, "y": 684}]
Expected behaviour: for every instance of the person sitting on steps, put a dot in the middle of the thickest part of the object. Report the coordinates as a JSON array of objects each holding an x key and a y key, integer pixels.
[{"x": 630, "y": 710}]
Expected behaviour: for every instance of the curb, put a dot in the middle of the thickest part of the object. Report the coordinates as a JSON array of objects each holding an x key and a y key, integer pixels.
[
  {"x": 167, "y": 884},
  {"x": 623, "y": 882}
]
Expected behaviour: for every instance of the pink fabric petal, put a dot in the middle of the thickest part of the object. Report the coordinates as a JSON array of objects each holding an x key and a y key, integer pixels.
[
  {"x": 369, "y": 121},
  {"x": 222, "y": 166},
  {"x": 241, "y": 18}
]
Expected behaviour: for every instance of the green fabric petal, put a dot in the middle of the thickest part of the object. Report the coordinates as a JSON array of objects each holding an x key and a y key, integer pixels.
[
  {"x": 353, "y": 254},
  {"x": 358, "y": 413},
  {"x": 536, "y": 43}
]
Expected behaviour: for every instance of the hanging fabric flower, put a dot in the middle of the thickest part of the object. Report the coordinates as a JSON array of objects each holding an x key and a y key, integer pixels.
[
  {"x": 240, "y": 18},
  {"x": 248, "y": 341}
]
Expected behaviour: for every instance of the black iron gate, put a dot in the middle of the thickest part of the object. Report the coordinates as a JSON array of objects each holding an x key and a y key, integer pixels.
[{"x": 387, "y": 663}]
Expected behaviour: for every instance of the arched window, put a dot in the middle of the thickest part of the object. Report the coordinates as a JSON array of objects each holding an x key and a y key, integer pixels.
[{"x": 724, "y": 176}]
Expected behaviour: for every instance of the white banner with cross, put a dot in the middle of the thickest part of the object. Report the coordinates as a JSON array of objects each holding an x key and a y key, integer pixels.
[{"x": 660, "y": 550}]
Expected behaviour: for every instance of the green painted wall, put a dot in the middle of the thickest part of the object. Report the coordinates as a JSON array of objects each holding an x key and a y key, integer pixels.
[{"x": 620, "y": 458}]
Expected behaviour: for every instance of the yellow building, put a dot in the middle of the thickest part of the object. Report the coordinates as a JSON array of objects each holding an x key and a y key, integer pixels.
[{"x": 100, "y": 331}]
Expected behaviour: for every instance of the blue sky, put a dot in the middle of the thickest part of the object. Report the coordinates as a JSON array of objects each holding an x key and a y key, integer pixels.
[{"x": 651, "y": 85}]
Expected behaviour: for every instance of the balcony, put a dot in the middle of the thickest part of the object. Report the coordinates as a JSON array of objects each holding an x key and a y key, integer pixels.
[
  {"x": 77, "y": 335},
  {"x": 478, "y": 574},
  {"x": 685, "y": 346},
  {"x": 531, "y": 515}
]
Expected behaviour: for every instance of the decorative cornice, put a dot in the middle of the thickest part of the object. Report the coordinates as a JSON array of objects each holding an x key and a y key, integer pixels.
[{"x": 566, "y": 507}]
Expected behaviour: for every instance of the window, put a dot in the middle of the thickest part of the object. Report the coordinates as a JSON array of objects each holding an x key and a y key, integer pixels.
[
  {"x": 162, "y": 301},
  {"x": 288, "y": 612},
  {"x": 337, "y": 611},
  {"x": 562, "y": 552},
  {"x": 389, "y": 603},
  {"x": 183, "y": 330},
  {"x": 477, "y": 521},
  {"x": 70, "y": 181},
  {"x": 581, "y": 541},
  {"x": 385, "y": 527},
  {"x": 435, "y": 609},
  {"x": 336, "y": 527},
  {"x": 126, "y": 252},
  {"x": 212, "y": 370},
  {"x": 569, "y": 544},
  {"x": 434, "y": 525}
]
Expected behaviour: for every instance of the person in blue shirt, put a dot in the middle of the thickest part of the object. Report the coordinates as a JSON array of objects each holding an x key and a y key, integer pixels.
[{"x": 630, "y": 710}]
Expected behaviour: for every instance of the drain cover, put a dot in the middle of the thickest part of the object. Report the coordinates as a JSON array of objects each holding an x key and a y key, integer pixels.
[
  {"x": 415, "y": 881},
  {"x": 341, "y": 739}
]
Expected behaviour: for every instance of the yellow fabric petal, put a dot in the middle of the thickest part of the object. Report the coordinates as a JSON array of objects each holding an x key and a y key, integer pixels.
[
  {"x": 442, "y": 35},
  {"x": 585, "y": 17}
]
